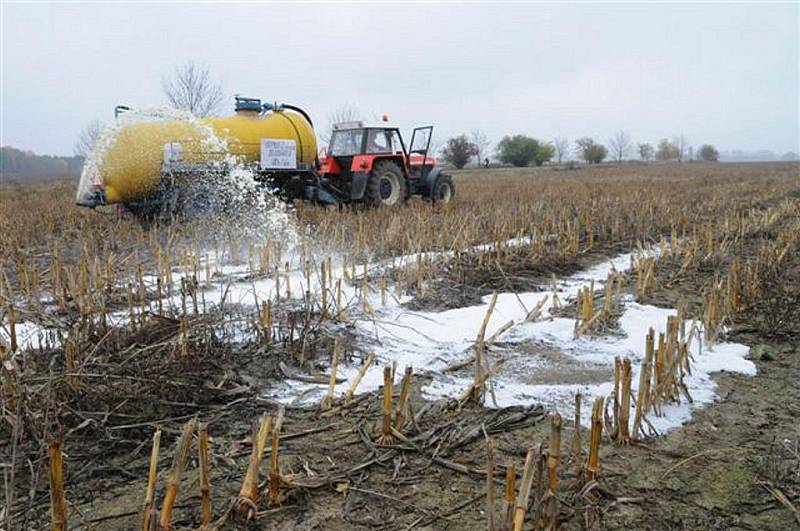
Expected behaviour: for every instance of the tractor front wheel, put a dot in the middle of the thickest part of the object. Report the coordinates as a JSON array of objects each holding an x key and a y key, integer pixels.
[
  {"x": 443, "y": 190},
  {"x": 386, "y": 185}
]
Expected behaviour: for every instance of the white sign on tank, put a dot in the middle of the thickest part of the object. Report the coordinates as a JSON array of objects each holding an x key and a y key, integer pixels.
[
  {"x": 173, "y": 153},
  {"x": 278, "y": 154}
]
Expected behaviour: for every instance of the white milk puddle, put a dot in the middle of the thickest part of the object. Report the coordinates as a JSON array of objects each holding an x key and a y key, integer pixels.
[
  {"x": 544, "y": 361},
  {"x": 430, "y": 341}
]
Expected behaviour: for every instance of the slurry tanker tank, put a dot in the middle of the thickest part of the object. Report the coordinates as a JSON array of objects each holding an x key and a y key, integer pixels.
[{"x": 130, "y": 162}]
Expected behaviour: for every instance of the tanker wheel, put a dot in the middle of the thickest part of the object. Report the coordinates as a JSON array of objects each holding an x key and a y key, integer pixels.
[
  {"x": 386, "y": 185},
  {"x": 444, "y": 190}
]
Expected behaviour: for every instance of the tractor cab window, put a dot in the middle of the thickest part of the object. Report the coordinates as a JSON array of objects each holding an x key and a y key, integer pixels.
[
  {"x": 346, "y": 143},
  {"x": 397, "y": 144},
  {"x": 379, "y": 141}
]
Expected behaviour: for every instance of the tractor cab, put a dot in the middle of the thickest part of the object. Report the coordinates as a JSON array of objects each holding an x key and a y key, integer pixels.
[
  {"x": 370, "y": 163},
  {"x": 352, "y": 139}
]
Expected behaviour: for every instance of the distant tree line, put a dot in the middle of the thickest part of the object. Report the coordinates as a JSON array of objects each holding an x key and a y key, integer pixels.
[
  {"x": 17, "y": 161},
  {"x": 522, "y": 150}
]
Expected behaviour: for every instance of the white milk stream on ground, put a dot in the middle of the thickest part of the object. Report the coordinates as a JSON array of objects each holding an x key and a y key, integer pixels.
[
  {"x": 430, "y": 341},
  {"x": 544, "y": 361}
]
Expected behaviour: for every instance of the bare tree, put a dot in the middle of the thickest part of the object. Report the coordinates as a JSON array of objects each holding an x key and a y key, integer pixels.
[
  {"x": 86, "y": 140},
  {"x": 192, "y": 89},
  {"x": 646, "y": 152},
  {"x": 481, "y": 143},
  {"x": 345, "y": 113},
  {"x": 620, "y": 144},
  {"x": 681, "y": 144},
  {"x": 561, "y": 146}
]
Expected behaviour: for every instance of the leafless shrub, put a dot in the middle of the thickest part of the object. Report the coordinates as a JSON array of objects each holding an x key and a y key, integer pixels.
[
  {"x": 620, "y": 144},
  {"x": 345, "y": 113},
  {"x": 481, "y": 143},
  {"x": 87, "y": 138},
  {"x": 191, "y": 88},
  {"x": 561, "y": 146}
]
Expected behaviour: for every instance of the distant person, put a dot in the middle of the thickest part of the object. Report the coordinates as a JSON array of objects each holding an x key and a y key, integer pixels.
[{"x": 486, "y": 162}]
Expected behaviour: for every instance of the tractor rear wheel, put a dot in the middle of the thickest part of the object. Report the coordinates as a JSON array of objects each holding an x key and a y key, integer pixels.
[
  {"x": 443, "y": 190},
  {"x": 386, "y": 185}
]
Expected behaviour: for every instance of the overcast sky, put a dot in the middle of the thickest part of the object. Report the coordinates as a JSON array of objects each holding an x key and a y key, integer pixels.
[{"x": 720, "y": 74}]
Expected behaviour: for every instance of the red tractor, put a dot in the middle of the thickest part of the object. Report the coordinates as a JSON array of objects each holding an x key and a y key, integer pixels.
[{"x": 370, "y": 164}]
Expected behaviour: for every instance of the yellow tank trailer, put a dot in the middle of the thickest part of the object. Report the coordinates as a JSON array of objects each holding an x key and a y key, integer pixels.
[{"x": 132, "y": 167}]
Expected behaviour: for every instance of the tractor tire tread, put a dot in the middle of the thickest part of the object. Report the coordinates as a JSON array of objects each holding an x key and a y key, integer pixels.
[{"x": 373, "y": 191}]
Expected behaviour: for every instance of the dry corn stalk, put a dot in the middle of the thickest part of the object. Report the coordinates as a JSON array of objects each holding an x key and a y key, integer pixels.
[
  {"x": 659, "y": 374},
  {"x": 609, "y": 295},
  {"x": 643, "y": 393},
  {"x": 617, "y": 378},
  {"x": 184, "y": 337},
  {"x": 152, "y": 475},
  {"x": 323, "y": 277},
  {"x": 587, "y": 302},
  {"x": 248, "y": 494},
  {"x": 70, "y": 355},
  {"x": 339, "y": 310},
  {"x": 595, "y": 435},
  {"x": 478, "y": 389},
  {"x": 536, "y": 311},
  {"x": 490, "y": 523},
  {"x": 503, "y": 329},
  {"x": 507, "y": 511},
  {"x": 8, "y": 368},
  {"x": 405, "y": 392},
  {"x": 540, "y": 484},
  {"x": 524, "y": 490},
  {"x": 556, "y": 300},
  {"x": 274, "y": 492},
  {"x": 205, "y": 487},
  {"x": 644, "y": 277},
  {"x": 386, "y": 438},
  {"x": 553, "y": 460},
  {"x": 327, "y": 401},
  {"x": 623, "y": 435},
  {"x": 712, "y": 314},
  {"x": 577, "y": 443},
  {"x": 176, "y": 474},
  {"x": 58, "y": 497},
  {"x": 12, "y": 328},
  {"x": 361, "y": 372}
]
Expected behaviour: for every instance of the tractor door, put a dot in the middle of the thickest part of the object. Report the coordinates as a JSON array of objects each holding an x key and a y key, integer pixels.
[{"x": 418, "y": 161}]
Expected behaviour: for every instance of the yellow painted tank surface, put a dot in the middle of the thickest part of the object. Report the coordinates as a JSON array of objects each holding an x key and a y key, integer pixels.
[{"x": 130, "y": 168}]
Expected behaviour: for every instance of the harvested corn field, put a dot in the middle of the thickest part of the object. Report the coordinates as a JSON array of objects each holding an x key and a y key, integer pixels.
[{"x": 603, "y": 348}]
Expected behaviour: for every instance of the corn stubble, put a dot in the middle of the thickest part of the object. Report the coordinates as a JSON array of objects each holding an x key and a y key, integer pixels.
[{"x": 70, "y": 269}]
